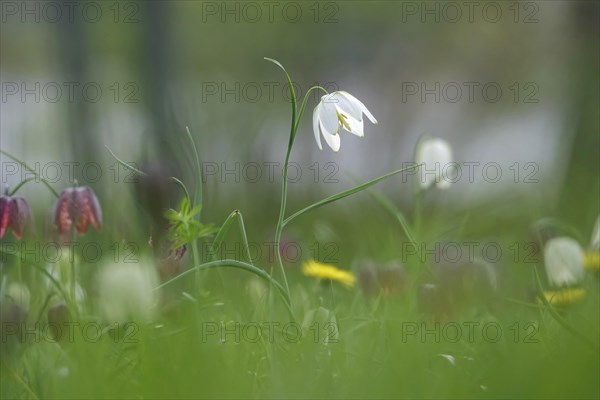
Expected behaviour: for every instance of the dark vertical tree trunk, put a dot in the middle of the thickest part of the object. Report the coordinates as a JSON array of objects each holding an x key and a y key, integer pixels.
[
  {"x": 580, "y": 196},
  {"x": 74, "y": 56}
]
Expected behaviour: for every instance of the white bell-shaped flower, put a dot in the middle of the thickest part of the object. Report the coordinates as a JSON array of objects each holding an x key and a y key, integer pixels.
[
  {"x": 563, "y": 258},
  {"x": 127, "y": 292},
  {"x": 335, "y": 111},
  {"x": 436, "y": 155}
]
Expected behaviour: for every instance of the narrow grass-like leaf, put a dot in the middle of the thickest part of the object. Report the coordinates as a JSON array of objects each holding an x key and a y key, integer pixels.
[
  {"x": 346, "y": 193},
  {"x": 123, "y": 163},
  {"x": 557, "y": 317},
  {"x": 392, "y": 209},
  {"x": 216, "y": 244},
  {"x": 236, "y": 214},
  {"x": 45, "y": 182},
  {"x": 3, "y": 249},
  {"x": 198, "y": 174},
  {"x": 140, "y": 172}
]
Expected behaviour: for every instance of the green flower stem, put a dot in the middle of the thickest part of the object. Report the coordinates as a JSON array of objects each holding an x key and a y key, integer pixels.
[
  {"x": 21, "y": 184},
  {"x": 301, "y": 112},
  {"x": 279, "y": 228},
  {"x": 18, "y": 253},
  {"x": 293, "y": 132},
  {"x": 196, "y": 257},
  {"x": 37, "y": 176},
  {"x": 418, "y": 211},
  {"x": 73, "y": 281},
  {"x": 20, "y": 270}
]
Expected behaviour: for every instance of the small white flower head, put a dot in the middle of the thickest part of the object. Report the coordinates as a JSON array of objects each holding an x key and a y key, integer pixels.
[
  {"x": 595, "y": 242},
  {"x": 339, "y": 110},
  {"x": 436, "y": 155},
  {"x": 126, "y": 292},
  {"x": 61, "y": 272},
  {"x": 563, "y": 257}
]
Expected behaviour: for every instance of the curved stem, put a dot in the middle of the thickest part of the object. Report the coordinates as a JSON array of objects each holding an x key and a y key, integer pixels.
[
  {"x": 31, "y": 170},
  {"x": 21, "y": 184},
  {"x": 198, "y": 188},
  {"x": 293, "y": 126},
  {"x": 140, "y": 172},
  {"x": 15, "y": 253},
  {"x": 182, "y": 186},
  {"x": 73, "y": 275},
  {"x": 239, "y": 265},
  {"x": 418, "y": 211},
  {"x": 304, "y": 101}
]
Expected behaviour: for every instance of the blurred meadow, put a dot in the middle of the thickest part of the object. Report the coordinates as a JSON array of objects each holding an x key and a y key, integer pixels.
[{"x": 145, "y": 252}]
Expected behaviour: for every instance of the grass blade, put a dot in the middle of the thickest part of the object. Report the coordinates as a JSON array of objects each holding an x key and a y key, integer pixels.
[
  {"x": 554, "y": 313},
  {"x": 45, "y": 182},
  {"x": 392, "y": 209},
  {"x": 346, "y": 193},
  {"x": 239, "y": 265}
]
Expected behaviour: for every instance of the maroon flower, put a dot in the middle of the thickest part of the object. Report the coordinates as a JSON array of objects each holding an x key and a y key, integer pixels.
[
  {"x": 15, "y": 214},
  {"x": 77, "y": 206}
]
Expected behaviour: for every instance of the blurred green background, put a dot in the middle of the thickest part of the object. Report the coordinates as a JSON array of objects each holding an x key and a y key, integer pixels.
[{"x": 163, "y": 65}]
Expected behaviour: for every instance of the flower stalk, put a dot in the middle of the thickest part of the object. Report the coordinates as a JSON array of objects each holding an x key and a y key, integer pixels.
[{"x": 293, "y": 130}]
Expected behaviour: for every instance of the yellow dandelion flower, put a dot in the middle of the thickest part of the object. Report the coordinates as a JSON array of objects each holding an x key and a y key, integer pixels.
[
  {"x": 565, "y": 297},
  {"x": 324, "y": 271},
  {"x": 591, "y": 260}
]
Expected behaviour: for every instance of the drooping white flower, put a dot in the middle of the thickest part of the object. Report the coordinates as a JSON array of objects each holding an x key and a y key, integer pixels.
[
  {"x": 126, "y": 292},
  {"x": 436, "y": 155},
  {"x": 339, "y": 110},
  {"x": 563, "y": 257}
]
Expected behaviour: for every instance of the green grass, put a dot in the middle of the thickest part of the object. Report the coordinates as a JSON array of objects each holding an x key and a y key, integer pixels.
[
  {"x": 374, "y": 355},
  {"x": 318, "y": 339}
]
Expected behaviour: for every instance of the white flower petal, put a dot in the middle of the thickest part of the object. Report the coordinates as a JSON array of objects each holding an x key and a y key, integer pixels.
[
  {"x": 335, "y": 110},
  {"x": 437, "y": 155},
  {"x": 332, "y": 139},
  {"x": 316, "y": 126},
  {"x": 354, "y": 126},
  {"x": 328, "y": 116},
  {"x": 348, "y": 104},
  {"x": 563, "y": 258},
  {"x": 126, "y": 292},
  {"x": 359, "y": 105}
]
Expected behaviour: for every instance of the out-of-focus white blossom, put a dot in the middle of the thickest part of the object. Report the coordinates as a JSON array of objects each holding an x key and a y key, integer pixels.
[
  {"x": 126, "y": 292},
  {"x": 563, "y": 258}
]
